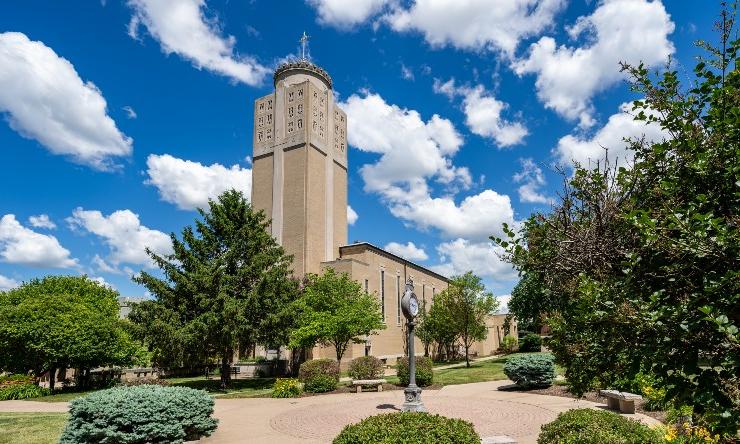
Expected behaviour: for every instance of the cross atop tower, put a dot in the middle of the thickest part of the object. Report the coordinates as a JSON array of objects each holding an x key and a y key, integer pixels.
[{"x": 304, "y": 45}]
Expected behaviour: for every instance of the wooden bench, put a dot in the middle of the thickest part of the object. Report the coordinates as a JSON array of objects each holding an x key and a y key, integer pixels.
[
  {"x": 622, "y": 401},
  {"x": 368, "y": 382}
]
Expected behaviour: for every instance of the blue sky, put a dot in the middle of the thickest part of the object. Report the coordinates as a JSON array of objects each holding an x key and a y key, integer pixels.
[{"x": 121, "y": 117}]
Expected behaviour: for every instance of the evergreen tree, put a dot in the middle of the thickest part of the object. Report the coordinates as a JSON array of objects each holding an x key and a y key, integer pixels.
[{"x": 227, "y": 284}]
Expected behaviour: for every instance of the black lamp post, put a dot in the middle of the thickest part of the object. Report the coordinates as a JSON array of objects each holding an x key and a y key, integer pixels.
[{"x": 410, "y": 308}]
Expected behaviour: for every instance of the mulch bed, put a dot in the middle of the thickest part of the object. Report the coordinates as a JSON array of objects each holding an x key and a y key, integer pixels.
[{"x": 560, "y": 390}]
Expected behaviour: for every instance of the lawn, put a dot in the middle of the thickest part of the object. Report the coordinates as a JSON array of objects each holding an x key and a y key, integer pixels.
[
  {"x": 61, "y": 397},
  {"x": 482, "y": 371},
  {"x": 240, "y": 388},
  {"x": 31, "y": 428}
]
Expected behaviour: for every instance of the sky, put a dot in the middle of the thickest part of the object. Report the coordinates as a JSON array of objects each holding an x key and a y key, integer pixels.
[{"x": 122, "y": 117}]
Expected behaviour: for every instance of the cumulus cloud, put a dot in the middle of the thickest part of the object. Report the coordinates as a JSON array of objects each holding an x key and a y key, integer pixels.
[
  {"x": 618, "y": 30},
  {"x": 46, "y": 100},
  {"x": 583, "y": 148},
  {"x": 532, "y": 180},
  {"x": 483, "y": 113},
  {"x": 100, "y": 280},
  {"x": 475, "y": 24},
  {"x": 21, "y": 245},
  {"x": 344, "y": 14},
  {"x": 503, "y": 301},
  {"x": 7, "y": 283},
  {"x": 189, "y": 184},
  {"x": 482, "y": 258},
  {"x": 42, "y": 221},
  {"x": 351, "y": 215},
  {"x": 182, "y": 27},
  {"x": 124, "y": 235},
  {"x": 408, "y": 251}
]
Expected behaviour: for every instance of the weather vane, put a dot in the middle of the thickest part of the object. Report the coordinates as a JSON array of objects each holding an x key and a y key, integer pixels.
[{"x": 304, "y": 45}]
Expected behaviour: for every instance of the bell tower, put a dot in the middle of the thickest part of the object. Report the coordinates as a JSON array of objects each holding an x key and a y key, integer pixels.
[{"x": 299, "y": 172}]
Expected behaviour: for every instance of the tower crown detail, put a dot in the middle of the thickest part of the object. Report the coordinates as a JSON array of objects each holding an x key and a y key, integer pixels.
[{"x": 301, "y": 67}]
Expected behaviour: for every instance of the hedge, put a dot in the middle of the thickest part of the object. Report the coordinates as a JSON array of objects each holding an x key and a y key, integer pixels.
[
  {"x": 531, "y": 371},
  {"x": 588, "y": 426},
  {"x": 319, "y": 375},
  {"x": 531, "y": 343},
  {"x": 424, "y": 374},
  {"x": 22, "y": 391},
  {"x": 366, "y": 367},
  {"x": 146, "y": 414},
  {"x": 408, "y": 428}
]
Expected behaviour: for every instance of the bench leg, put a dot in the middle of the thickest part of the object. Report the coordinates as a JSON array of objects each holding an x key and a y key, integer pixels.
[
  {"x": 380, "y": 387},
  {"x": 626, "y": 406},
  {"x": 359, "y": 389},
  {"x": 612, "y": 403}
]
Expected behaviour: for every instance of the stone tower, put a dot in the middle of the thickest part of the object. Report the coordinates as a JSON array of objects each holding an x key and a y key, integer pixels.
[{"x": 299, "y": 173}]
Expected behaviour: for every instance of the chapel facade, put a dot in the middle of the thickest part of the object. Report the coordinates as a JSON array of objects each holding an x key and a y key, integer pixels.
[{"x": 299, "y": 179}]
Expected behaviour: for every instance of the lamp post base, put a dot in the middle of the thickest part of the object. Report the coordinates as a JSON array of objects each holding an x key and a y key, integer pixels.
[{"x": 413, "y": 402}]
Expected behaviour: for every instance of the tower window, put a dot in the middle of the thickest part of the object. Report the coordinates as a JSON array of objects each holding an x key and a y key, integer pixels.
[
  {"x": 300, "y": 123},
  {"x": 398, "y": 299},
  {"x": 300, "y": 108},
  {"x": 261, "y": 106},
  {"x": 269, "y": 105},
  {"x": 290, "y": 127},
  {"x": 290, "y": 111},
  {"x": 300, "y": 93},
  {"x": 290, "y": 96}
]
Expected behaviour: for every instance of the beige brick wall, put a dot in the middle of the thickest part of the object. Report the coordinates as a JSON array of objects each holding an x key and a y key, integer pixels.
[{"x": 294, "y": 204}]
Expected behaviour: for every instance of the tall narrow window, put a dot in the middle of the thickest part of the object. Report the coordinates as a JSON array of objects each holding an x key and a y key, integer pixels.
[
  {"x": 398, "y": 299},
  {"x": 382, "y": 293},
  {"x": 424, "y": 297},
  {"x": 366, "y": 285}
]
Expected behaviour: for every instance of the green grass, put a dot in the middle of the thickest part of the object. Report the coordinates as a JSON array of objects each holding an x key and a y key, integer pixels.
[
  {"x": 482, "y": 371},
  {"x": 240, "y": 388},
  {"x": 31, "y": 428},
  {"x": 61, "y": 397}
]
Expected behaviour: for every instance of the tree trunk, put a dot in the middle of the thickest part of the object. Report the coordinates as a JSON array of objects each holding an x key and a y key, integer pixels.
[
  {"x": 225, "y": 369},
  {"x": 52, "y": 377},
  {"x": 467, "y": 354}
]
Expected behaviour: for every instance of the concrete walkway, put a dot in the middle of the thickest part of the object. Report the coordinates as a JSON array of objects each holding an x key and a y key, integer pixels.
[{"x": 318, "y": 419}]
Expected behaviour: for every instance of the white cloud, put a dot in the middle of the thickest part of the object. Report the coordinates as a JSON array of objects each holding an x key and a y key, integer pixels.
[
  {"x": 103, "y": 266},
  {"x": 532, "y": 180},
  {"x": 7, "y": 283},
  {"x": 124, "y": 234},
  {"x": 483, "y": 113},
  {"x": 181, "y": 27},
  {"x": 46, "y": 100},
  {"x": 100, "y": 280},
  {"x": 475, "y": 24},
  {"x": 408, "y": 251},
  {"x": 618, "y": 30},
  {"x": 407, "y": 73},
  {"x": 21, "y": 245},
  {"x": 482, "y": 258},
  {"x": 42, "y": 221},
  {"x": 582, "y": 148},
  {"x": 503, "y": 301},
  {"x": 130, "y": 113},
  {"x": 345, "y": 14},
  {"x": 189, "y": 184},
  {"x": 351, "y": 215}
]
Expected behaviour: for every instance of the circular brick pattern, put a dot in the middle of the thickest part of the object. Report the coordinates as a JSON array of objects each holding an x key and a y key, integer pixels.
[{"x": 490, "y": 417}]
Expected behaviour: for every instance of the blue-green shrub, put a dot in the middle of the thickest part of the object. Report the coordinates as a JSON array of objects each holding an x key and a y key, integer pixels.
[
  {"x": 146, "y": 414},
  {"x": 408, "y": 428},
  {"x": 589, "y": 426},
  {"x": 22, "y": 391},
  {"x": 531, "y": 371}
]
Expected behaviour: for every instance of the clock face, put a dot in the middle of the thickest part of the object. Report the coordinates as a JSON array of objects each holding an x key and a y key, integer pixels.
[{"x": 413, "y": 306}]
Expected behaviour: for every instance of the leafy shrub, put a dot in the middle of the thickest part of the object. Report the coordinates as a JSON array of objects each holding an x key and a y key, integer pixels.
[
  {"x": 319, "y": 375},
  {"x": 530, "y": 371},
  {"x": 366, "y": 367},
  {"x": 139, "y": 415},
  {"x": 424, "y": 374},
  {"x": 588, "y": 426},
  {"x": 15, "y": 379},
  {"x": 531, "y": 343},
  {"x": 508, "y": 344},
  {"x": 408, "y": 428},
  {"x": 286, "y": 388},
  {"x": 22, "y": 391},
  {"x": 144, "y": 381}
]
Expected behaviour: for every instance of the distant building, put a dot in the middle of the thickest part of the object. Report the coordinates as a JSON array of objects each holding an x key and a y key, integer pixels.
[
  {"x": 299, "y": 178},
  {"x": 125, "y": 303}
]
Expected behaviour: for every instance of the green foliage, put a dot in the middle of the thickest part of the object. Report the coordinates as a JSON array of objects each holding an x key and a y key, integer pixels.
[
  {"x": 424, "y": 373},
  {"x": 532, "y": 342},
  {"x": 531, "y": 371},
  {"x": 319, "y": 375},
  {"x": 287, "y": 388},
  {"x": 22, "y": 391},
  {"x": 228, "y": 283},
  {"x": 62, "y": 321},
  {"x": 509, "y": 344},
  {"x": 589, "y": 426},
  {"x": 335, "y": 310},
  {"x": 437, "y": 326},
  {"x": 15, "y": 379},
  {"x": 140, "y": 415},
  {"x": 366, "y": 367},
  {"x": 638, "y": 269},
  {"x": 408, "y": 428}
]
